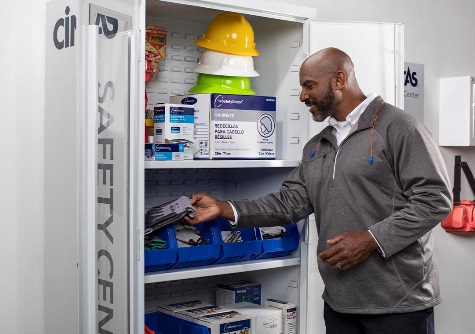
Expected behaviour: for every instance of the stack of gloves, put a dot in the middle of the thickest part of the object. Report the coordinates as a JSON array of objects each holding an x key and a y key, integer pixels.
[{"x": 168, "y": 213}]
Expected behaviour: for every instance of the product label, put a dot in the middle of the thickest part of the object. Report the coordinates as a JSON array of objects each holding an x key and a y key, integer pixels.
[
  {"x": 159, "y": 114},
  {"x": 236, "y": 327},
  {"x": 246, "y": 134},
  {"x": 240, "y": 102},
  {"x": 182, "y": 115},
  {"x": 169, "y": 152}
]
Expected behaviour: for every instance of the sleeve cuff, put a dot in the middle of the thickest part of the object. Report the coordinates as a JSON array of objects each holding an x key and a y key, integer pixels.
[
  {"x": 380, "y": 249},
  {"x": 236, "y": 217}
]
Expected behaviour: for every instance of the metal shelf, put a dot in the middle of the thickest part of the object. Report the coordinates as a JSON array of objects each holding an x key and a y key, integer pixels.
[
  {"x": 230, "y": 268},
  {"x": 220, "y": 164}
]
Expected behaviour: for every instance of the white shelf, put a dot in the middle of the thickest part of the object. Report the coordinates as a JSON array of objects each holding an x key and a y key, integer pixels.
[
  {"x": 220, "y": 164},
  {"x": 222, "y": 269}
]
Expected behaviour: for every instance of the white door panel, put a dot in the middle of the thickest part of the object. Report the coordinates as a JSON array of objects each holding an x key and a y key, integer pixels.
[{"x": 376, "y": 50}]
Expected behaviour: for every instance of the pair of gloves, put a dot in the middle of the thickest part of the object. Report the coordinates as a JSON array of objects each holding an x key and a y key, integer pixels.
[
  {"x": 171, "y": 213},
  {"x": 167, "y": 213}
]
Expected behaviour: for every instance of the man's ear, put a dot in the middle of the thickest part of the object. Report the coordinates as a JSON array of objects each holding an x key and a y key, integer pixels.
[{"x": 339, "y": 80}]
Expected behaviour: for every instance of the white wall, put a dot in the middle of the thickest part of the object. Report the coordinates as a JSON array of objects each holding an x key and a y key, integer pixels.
[
  {"x": 438, "y": 34},
  {"x": 21, "y": 166}
]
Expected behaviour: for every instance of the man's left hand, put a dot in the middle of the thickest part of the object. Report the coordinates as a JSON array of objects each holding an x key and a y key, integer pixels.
[{"x": 350, "y": 249}]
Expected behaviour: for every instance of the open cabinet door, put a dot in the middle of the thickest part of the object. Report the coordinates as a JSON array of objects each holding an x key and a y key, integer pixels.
[
  {"x": 377, "y": 51},
  {"x": 93, "y": 174},
  {"x": 112, "y": 278}
]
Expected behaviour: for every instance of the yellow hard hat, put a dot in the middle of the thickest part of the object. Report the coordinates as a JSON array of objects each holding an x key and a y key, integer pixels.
[{"x": 229, "y": 33}]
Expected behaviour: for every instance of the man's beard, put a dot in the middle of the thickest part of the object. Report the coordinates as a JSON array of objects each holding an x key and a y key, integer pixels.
[{"x": 324, "y": 106}]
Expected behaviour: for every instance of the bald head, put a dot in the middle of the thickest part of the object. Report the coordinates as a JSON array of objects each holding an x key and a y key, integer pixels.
[
  {"x": 329, "y": 85},
  {"x": 329, "y": 61}
]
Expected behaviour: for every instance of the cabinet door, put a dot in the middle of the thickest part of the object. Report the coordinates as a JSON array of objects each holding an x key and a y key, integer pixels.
[
  {"x": 377, "y": 51},
  {"x": 111, "y": 193},
  {"x": 457, "y": 111}
]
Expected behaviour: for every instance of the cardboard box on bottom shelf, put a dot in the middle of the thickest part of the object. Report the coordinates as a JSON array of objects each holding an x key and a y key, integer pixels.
[
  {"x": 289, "y": 314},
  {"x": 229, "y": 322},
  {"x": 174, "y": 124},
  {"x": 172, "y": 307},
  {"x": 265, "y": 319},
  {"x": 233, "y": 126},
  {"x": 193, "y": 313},
  {"x": 237, "y": 292}
]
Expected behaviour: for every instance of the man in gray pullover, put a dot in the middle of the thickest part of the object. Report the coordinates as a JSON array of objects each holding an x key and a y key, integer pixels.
[{"x": 377, "y": 184}]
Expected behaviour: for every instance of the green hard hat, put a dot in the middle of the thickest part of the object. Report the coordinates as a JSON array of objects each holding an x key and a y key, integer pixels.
[{"x": 209, "y": 84}]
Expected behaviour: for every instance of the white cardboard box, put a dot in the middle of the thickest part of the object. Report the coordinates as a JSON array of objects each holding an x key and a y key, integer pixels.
[
  {"x": 173, "y": 307},
  {"x": 289, "y": 314},
  {"x": 229, "y": 322},
  {"x": 174, "y": 124},
  {"x": 265, "y": 320},
  {"x": 233, "y": 126},
  {"x": 193, "y": 313}
]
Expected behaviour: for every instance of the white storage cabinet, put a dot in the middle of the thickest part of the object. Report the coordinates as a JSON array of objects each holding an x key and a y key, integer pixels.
[
  {"x": 98, "y": 186},
  {"x": 457, "y": 111}
]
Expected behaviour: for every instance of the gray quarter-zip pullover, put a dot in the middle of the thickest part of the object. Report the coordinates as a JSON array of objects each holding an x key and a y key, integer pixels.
[{"x": 400, "y": 198}]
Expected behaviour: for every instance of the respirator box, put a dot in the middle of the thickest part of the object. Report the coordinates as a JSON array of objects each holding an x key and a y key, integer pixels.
[
  {"x": 237, "y": 292},
  {"x": 228, "y": 322},
  {"x": 173, "y": 307},
  {"x": 174, "y": 124},
  {"x": 265, "y": 320},
  {"x": 233, "y": 126}
]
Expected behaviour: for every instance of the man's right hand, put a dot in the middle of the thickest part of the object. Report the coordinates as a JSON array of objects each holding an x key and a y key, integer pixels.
[{"x": 208, "y": 208}]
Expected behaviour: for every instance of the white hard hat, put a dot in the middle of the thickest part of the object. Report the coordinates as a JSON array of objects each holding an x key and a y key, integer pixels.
[{"x": 220, "y": 63}]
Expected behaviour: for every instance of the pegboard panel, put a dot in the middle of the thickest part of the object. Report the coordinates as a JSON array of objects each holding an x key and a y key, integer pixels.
[
  {"x": 163, "y": 185},
  {"x": 175, "y": 75},
  {"x": 197, "y": 288}
]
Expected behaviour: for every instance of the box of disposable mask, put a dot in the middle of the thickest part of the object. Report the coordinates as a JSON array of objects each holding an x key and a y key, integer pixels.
[{"x": 233, "y": 126}]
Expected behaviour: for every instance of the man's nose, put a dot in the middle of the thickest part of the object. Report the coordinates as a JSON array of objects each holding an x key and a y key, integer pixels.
[{"x": 303, "y": 96}]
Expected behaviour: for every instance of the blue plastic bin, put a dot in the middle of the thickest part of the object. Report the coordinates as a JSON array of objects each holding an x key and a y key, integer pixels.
[
  {"x": 246, "y": 250},
  {"x": 162, "y": 323},
  {"x": 161, "y": 259},
  {"x": 201, "y": 255},
  {"x": 279, "y": 246}
]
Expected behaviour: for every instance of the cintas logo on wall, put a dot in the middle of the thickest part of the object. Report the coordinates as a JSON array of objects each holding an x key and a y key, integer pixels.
[
  {"x": 410, "y": 77},
  {"x": 414, "y": 89}
]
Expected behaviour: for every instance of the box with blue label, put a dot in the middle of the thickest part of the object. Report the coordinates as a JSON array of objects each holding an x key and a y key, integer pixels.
[
  {"x": 229, "y": 322},
  {"x": 164, "y": 152},
  {"x": 199, "y": 312},
  {"x": 174, "y": 124},
  {"x": 180, "y": 305},
  {"x": 233, "y": 126},
  {"x": 238, "y": 292}
]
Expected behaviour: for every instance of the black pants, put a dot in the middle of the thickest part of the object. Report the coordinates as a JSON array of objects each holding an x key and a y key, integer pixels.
[{"x": 420, "y": 322}]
